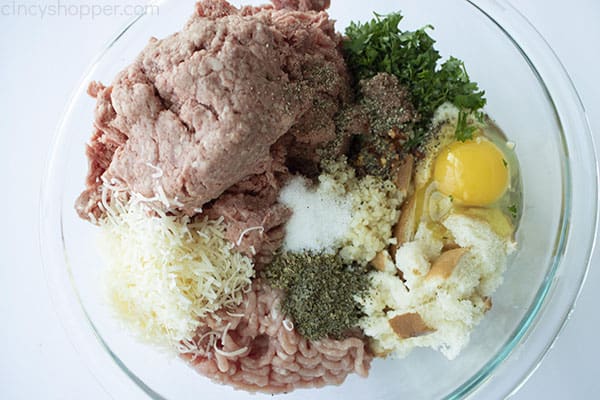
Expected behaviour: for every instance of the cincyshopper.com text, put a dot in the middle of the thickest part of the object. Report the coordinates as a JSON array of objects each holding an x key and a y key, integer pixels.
[{"x": 83, "y": 10}]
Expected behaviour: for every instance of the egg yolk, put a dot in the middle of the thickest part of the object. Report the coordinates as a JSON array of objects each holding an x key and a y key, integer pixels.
[{"x": 473, "y": 172}]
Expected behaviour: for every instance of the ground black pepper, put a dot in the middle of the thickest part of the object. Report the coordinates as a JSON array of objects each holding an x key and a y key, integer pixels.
[{"x": 379, "y": 125}]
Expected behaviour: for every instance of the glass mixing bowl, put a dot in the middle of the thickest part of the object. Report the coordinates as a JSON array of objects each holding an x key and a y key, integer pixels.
[{"x": 529, "y": 96}]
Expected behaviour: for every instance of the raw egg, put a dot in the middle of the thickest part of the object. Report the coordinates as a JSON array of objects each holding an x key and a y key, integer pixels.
[{"x": 473, "y": 173}]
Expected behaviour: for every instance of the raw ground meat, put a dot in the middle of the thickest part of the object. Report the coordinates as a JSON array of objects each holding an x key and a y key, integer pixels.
[
  {"x": 254, "y": 220},
  {"x": 303, "y": 5},
  {"x": 269, "y": 355},
  {"x": 199, "y": 111}
]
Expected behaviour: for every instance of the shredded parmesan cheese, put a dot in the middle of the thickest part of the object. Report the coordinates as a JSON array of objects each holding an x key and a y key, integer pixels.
[
  {"x": 162, "y": 196},
  {"x": 235, "y": 315},
  {"x": 165, "y": 272},
  {"x": 235, "y": 353},
  {"x": 158, "y": 171},
  {"x": 288, "y": 325},
  {"x": 246, "y": 231}
]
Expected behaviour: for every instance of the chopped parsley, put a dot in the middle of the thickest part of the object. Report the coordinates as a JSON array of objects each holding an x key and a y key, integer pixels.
[
  {"x": 380, "y": 46},
  {"x": 464, "y": 131},
  {"x": 512, "y": 209}
]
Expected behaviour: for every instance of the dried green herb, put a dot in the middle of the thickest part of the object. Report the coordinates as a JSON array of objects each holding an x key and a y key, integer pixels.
[{"x": 319, "y": 292}]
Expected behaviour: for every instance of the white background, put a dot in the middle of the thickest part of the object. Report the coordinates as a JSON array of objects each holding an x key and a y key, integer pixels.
[{"x": 41, "y": 61}]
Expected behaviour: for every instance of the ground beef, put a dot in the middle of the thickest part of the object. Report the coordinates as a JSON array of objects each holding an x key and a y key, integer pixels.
[
  {"x": 254, "y": 220},
  {"x": 274, "y": 357},
  {"x": 199, "y": 111},
  {"x": 303, "y": 5}
]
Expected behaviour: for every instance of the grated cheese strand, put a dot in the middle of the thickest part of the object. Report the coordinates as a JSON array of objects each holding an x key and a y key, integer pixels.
[{"x": 246, "y": 231}]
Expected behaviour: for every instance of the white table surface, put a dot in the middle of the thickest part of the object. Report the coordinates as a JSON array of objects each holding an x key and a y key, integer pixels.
[{"x": 41, "y": 61}]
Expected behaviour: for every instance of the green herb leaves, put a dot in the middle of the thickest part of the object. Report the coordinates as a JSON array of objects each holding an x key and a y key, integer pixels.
[
  {"x": 380, "y": 46},
  {"x": 512, "y": 209},
  {"x": 464, "y": 131}
]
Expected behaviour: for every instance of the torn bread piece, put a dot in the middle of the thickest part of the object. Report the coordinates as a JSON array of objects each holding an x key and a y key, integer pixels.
[
  {"x": 445, "y": 264},
  {"x": 383, "y": 262},
  {"x": 404, "y": 230},
  {"x": 403, "y": 178},
  {"x": 487, "y": 303},
  {"x": 409, "y": 325}
]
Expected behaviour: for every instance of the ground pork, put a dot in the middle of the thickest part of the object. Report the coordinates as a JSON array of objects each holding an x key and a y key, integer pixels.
[
  {"x": 266, "y": 354},
  {"x": 303, "y": 5},
  {"x": 199, "y": 111}
]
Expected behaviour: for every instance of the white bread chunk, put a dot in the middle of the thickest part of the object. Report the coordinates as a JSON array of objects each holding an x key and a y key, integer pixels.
[{"x": 489, "y": 252}]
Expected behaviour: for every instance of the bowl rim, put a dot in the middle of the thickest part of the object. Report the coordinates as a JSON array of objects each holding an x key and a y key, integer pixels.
[
  {"x": 521, "y": 24},
  {"x": 479, "y": 382}
]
